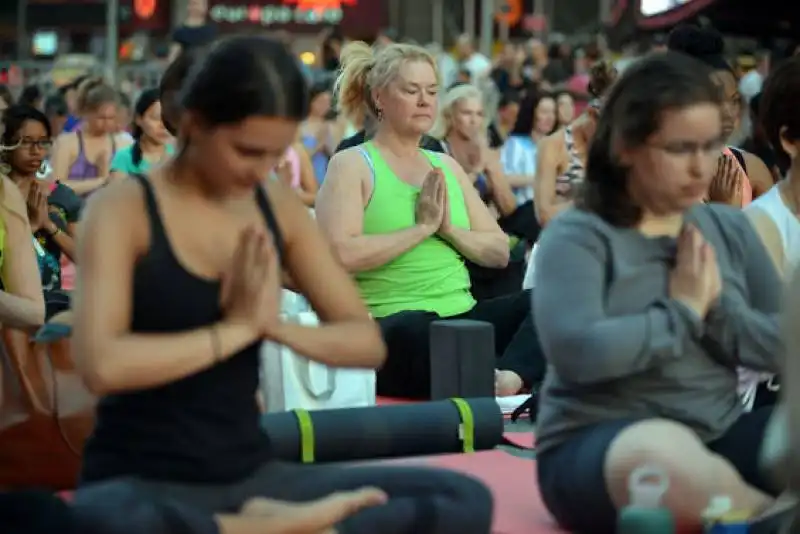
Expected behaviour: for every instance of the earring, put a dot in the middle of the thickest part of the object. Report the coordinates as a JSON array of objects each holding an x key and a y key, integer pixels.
[{"x": 379, "y": 114}]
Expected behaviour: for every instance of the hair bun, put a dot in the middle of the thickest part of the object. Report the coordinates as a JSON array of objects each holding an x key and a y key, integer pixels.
[
  {"x": 696, "y": 42},
  {"x": 601, "y": 77}
]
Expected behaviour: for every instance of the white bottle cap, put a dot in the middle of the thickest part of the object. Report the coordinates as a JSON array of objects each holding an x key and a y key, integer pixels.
[
  {"x": 718, "y": 505},
  {"x": 647, "y": 486}
]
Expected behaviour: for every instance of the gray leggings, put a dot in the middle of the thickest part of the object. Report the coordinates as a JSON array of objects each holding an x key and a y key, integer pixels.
[{"x": 421, "y": 500}]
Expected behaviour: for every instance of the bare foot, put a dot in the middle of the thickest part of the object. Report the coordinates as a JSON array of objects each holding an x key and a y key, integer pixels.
[{"x": 317, "y": 516}]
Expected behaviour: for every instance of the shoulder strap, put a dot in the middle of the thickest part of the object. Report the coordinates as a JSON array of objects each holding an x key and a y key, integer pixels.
[
  {"x": 269, "y": 216},
  {"x": 157, "y": 232},
  {"x": 81, "y": 149}
]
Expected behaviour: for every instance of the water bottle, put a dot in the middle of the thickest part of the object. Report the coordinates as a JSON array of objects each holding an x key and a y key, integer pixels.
[{"x": 645, "y": 514}]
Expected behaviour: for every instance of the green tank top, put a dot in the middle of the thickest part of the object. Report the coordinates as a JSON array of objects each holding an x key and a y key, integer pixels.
[{"x": 429, "y": 277}]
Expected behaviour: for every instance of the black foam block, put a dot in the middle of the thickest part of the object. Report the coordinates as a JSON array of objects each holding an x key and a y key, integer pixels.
[
  {"x": 396, "y": 431},
  {"x": 462, "y": 359}
]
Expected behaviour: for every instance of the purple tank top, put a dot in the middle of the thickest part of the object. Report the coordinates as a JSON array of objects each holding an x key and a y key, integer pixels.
[{"x": 83, "y": 169}]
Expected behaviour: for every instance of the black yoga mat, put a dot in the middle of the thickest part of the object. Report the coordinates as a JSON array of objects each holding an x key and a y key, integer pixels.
[{"x": 393, "y": 431}]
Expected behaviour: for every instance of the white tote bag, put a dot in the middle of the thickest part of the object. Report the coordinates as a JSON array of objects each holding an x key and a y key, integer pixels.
[{"x": 290, "y": 381}]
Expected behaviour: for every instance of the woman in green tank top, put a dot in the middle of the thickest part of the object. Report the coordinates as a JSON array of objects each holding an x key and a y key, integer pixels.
[{"x": 403, "y": 220}]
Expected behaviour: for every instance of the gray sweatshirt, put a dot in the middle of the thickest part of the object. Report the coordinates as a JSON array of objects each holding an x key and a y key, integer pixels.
[{"x": 618, "y": 347}]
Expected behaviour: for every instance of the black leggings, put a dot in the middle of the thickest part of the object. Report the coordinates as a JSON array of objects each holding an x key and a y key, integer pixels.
[
  {"x": 572, "y": 481},
  {"x": 421, "y": 500},
  {"x": 407, "y": 373}
]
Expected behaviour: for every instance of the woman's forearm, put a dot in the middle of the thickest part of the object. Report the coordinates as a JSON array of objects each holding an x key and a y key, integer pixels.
[
  {"x": 306, "y": 197},
  {"x": 342, "y": 344},
  {"x": 366, "y": 252},
  {"x": 20, "y": 312},
  {"x": 545, "y": 214},
  {"x": 84, "y": 187},
  {"x": 520, "y": 180},
  {"x": 489, "y": 249},
  {"x": 141, "y": 361},
  {"x": 65, "y": 242}
]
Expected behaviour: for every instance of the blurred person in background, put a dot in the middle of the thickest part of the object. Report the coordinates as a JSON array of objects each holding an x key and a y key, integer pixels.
[
  {"x": 32, "y": 96},
  {"x": 125, "y": 116},
  {"x": 57, "y": 111},
  {"x": 82, "y": 159},
  {"x": 296, "y": 171},
  {"x": 316, "y": 132},
  {"x": 509, "y": 73},
  {"x": 152, "y": 143},
  {"x": 750, "y": 85},
  {"x": 758, "y": 141},
  {"x": 195, "y": 32},
  {"x": 70, "y": 93},
  {"x": 468, "y": 57},
  {"x": 565, "y": 109},
  {"x": 536, "y": 120},
  {"x": 505, "y": 119},
  {"x": 561, "y": 157}
]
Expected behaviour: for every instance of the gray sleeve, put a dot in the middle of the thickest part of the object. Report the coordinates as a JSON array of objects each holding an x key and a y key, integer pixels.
[
  {"x": 580, "y": 340},
  {"x": 745, "y": 323},
  {"x": 121, "y": 507}
]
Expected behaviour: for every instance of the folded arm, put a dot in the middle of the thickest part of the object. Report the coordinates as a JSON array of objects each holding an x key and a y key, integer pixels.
[
  {"x": 340, "y": 214},
  {"x": 745, "y": 323},
  {"x": 580, "y": 339},
  {"x": 484, "y": 242}
]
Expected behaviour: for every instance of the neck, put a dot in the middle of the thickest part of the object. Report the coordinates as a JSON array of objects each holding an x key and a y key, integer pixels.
[
  {"x": 184, "y": 175},
  {"x": 150, "y": 146},
  {"x": 401, "y": 146},
  {"x": 23, "y": 181},
  {"x": 655, "y": 224},
  {"x": 537, "y": 136},
  {"x": 791, "y": 184}
]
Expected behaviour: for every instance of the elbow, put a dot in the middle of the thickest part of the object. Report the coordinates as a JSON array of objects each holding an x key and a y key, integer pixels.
[
  {"x": 576, "y": 359},
  {"x": 95, "y": 367},
  {"x": 348, "y": 256},
  {"x": 378, "y": 351}
]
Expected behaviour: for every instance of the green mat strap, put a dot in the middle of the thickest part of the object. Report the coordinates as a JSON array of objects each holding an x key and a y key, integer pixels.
[
  {"x": 466, "y": 430},
  {"x": 307, "y": 440}
]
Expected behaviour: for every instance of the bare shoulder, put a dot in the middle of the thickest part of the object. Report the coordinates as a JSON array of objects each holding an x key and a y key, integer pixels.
[
  {"x": 351, "y": 160},
  {"x": 12, "y": 198},
  {"x": 120, "y": 199}
]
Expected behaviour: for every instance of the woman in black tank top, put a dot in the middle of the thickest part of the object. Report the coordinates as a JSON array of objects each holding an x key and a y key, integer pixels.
[{"x": 182, "y": 276}]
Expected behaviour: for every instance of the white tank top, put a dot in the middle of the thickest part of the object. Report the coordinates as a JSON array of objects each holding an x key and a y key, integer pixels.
[{"x": 771, "y": 204}]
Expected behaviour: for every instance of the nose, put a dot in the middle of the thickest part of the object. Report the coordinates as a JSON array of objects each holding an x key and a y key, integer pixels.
[{"x": 424, "y": 100}]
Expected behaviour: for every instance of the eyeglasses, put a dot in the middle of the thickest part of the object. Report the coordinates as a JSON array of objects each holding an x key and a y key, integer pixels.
[{"x": 41, "y": 144}]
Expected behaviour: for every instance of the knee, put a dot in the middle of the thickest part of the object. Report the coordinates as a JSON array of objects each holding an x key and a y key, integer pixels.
[{"x": 662, "y": 443}]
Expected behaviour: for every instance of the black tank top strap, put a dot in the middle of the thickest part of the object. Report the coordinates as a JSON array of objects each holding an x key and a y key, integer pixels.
[
  {"x": 81, "y": 148},
  {"x": 739, "y": 155},
  {"x": 158, "y": 236},
  {"x": 269, "y": 216}
]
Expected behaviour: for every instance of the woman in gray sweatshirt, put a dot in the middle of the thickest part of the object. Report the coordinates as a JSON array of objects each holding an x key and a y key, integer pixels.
[{"x": 646, "y": 302}]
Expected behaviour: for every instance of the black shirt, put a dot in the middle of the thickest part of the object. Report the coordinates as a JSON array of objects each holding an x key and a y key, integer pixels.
[
  {"x": 194, "y": 36},
  {"x": 203, "y": 428}
]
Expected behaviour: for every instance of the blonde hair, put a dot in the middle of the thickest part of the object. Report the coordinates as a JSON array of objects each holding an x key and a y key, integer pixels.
[
  {"x": 455, "y": 95},
  {"x": 364, "y": 69}
]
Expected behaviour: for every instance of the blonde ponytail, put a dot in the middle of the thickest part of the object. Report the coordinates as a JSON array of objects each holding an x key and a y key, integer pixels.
[{"x": 352, "y": 88}]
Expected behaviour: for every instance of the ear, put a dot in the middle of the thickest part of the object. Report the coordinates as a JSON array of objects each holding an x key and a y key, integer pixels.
[{"x": 790, "y": 146}]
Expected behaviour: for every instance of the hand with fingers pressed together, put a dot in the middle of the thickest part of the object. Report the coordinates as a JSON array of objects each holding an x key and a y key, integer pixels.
[
  {"x": 251, "y": 289},
  {"x": 38, "y": 211},
  {"x": 695, "y": 280},
  {"x": 727, "y": 185},
  {"x": 430, "y": 202}
]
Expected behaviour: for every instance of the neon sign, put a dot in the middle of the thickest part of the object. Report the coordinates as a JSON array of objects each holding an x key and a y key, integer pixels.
[{"x": 310, "y": 12}]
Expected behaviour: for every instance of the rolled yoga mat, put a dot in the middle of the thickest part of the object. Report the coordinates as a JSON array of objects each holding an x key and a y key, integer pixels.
[{"x": 417, "y": 429}]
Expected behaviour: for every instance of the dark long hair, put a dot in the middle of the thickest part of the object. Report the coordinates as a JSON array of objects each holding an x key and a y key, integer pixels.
[
  {"x": 630, "y": 115},
  {"x": 143, "y": 103}
]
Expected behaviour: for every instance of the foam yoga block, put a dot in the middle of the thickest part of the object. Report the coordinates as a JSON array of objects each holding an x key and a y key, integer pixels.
[
  {"x": 416, "y": 429},
  {"x": 462, "y": 359}
]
